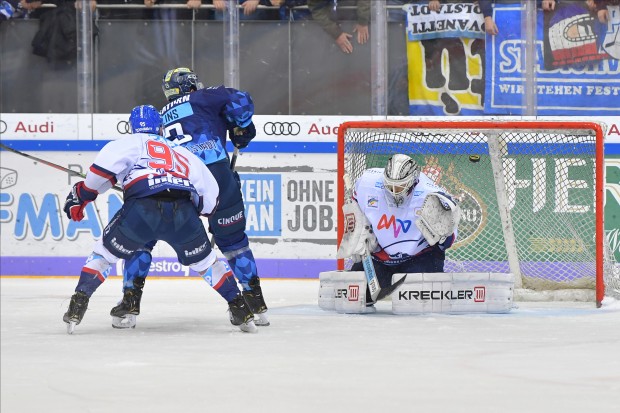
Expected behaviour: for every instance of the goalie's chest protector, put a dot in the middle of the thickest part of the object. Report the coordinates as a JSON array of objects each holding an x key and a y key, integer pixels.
[{"x": 394, "y": 226}]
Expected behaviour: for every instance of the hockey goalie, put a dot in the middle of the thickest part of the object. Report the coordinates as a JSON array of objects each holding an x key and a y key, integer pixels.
[{"x": 398, "y": 226}]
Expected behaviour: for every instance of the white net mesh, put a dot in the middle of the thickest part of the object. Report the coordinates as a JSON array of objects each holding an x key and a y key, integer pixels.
[{"x": 549, "y": 185}]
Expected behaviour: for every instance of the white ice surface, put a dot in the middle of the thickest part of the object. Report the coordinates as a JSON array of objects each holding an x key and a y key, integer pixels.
[{"x": 184, "y": 356}]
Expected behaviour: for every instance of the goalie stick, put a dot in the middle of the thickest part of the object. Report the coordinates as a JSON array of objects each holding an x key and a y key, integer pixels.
[
  {"x": 53, "y": 165},
  {"x": 369, "y": 268}
]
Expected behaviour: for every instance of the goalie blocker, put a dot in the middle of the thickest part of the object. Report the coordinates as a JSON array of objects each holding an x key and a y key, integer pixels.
[{"x": 421, "y": 293}]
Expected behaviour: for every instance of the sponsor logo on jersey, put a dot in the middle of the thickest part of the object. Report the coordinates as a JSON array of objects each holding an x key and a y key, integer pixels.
[
  {"x": 198, "y": 250},
  {"x": 119, "y": 247},
  {"x": 226, "y": 222},
  {"x": 373, "y": 201},
  {"x": 398, "y": 225},
  {"x": 154, "y": 181},
  {"x": 203, "y": 146}
]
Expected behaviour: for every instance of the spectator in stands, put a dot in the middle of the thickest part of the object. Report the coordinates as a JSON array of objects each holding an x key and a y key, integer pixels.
[
  {"x": 486, "y": 8},
  {"x": 31, "y": 5},
  {"x": 10, "y": 9},
  {"x": 31, "y": 8},
  {"x": 329, "y": 14},
  {"x": 591, "y": 5},
  {"x": 175, "y": 13},
  {"x": 123, "y": 13},
  {"x": 56, "y": 39},
  {"x": 601, "y": 9},
  {"x": 250, "y": 10},
  {"x": 395, "y": 12},
  {"x": 292, "y": 9}
]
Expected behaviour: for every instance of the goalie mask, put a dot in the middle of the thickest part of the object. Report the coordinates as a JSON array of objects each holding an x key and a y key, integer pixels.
[
  {"x": 145, "y": 119},
  {"x": 400, "y": 175},
  {"x": 180, "y": 81}
]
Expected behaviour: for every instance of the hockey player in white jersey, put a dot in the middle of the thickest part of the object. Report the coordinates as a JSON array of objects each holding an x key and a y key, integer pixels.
[
  {"x": 166, "y": 188},
  {"x": 387, "y": 220}
]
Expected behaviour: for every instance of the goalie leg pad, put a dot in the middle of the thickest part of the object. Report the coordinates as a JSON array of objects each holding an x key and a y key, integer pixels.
[
  {"x": 454, "y": 293},
  {"x": 358, "y": 237},
  {"x": 326, "y": 290},
  {"x": 343, "y": 292}
]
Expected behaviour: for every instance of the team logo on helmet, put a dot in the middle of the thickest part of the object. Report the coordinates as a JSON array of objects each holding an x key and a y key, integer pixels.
[
  {"x": 180, "y": 81},
  {"x": 145, "y": 119}
]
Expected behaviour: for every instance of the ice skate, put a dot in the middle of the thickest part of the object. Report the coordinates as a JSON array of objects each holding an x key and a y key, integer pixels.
[
  {"x": 76, "y": 310},
  {"x": 124, "y": 314},
  {"x": 241, "y": 316},
  {"x": 256, "y": 302}
]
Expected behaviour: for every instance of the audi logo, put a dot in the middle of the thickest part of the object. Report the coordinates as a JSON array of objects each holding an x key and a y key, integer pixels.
[
  {"x": 281, "y": 128},
  {"x": 3, "y": 126},
  {"x": 123, "y": 127}
]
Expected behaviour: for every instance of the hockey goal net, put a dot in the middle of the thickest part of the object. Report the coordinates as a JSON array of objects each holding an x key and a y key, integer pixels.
[{"x": 531, "y": 195}]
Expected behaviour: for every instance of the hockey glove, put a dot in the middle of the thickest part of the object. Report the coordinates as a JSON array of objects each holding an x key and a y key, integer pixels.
[
  {"x": 439, "y": 218},
  {"x": 241, "y": 137},
  {"x": 77, "y": 200}
]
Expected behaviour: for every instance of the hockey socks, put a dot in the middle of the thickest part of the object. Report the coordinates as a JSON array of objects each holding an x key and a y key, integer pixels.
[{"x": 94, "y": 273}]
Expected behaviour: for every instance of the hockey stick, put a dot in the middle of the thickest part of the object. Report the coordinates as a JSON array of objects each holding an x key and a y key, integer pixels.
[
  {"x": 53, "y": 165},
  {"x": 233, "y": 158},
  {"x": 389, "y": 290},
  {"x": 369, "y": 268}
]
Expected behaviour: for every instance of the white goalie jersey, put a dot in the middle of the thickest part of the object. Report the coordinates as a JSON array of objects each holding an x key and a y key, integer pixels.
[{"x": 394, "y": 226}]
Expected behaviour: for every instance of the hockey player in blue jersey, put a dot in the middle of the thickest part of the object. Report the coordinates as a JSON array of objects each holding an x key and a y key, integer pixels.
[
  {"x": 165, "y": 190},
  {"x": 199, "y": 118}
]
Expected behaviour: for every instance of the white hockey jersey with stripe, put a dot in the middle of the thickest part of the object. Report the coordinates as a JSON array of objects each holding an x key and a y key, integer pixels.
[
  {"x": 394, "y": 226},
  {"x": 145, "y": 164}
]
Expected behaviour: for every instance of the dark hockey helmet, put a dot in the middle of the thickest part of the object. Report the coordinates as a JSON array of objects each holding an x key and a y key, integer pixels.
[
  {"x": 145, "y": 119},
  {"x": 400, "y": 175},
  {"x": 180, "y": 81}
]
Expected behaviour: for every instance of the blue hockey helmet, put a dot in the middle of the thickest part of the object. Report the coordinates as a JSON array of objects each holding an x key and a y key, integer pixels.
[
  {"x": 145, "y": 119},
  {"x": 180, "y": 81}
]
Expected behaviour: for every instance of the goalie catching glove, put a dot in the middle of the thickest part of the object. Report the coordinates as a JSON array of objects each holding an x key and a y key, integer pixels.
[
  {"x": 439, "y": 218},
  {"x": 77, "y": 200},
  {"x": 358, "y": 239}
]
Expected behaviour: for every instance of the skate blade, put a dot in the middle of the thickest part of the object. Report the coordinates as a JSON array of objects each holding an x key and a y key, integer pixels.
[
  {"x": 129, "y": 321},
  {"x": 249, "y": 327},
  {"x": 71, "y": 327},
  {"x": 261, "y": 320}
]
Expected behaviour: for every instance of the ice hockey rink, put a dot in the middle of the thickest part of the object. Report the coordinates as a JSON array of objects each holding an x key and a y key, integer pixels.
[{"x": 184, "y": 356}]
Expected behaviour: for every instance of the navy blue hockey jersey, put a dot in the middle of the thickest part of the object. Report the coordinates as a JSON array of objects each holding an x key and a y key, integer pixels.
[{"x": 200, "y": 120}]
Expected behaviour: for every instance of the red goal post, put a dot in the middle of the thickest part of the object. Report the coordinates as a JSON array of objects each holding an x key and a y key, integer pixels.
[{"x": 551, "y": 197}]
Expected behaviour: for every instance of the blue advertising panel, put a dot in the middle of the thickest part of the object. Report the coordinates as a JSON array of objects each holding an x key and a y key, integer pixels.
[{"x": 576, "y": 73}]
